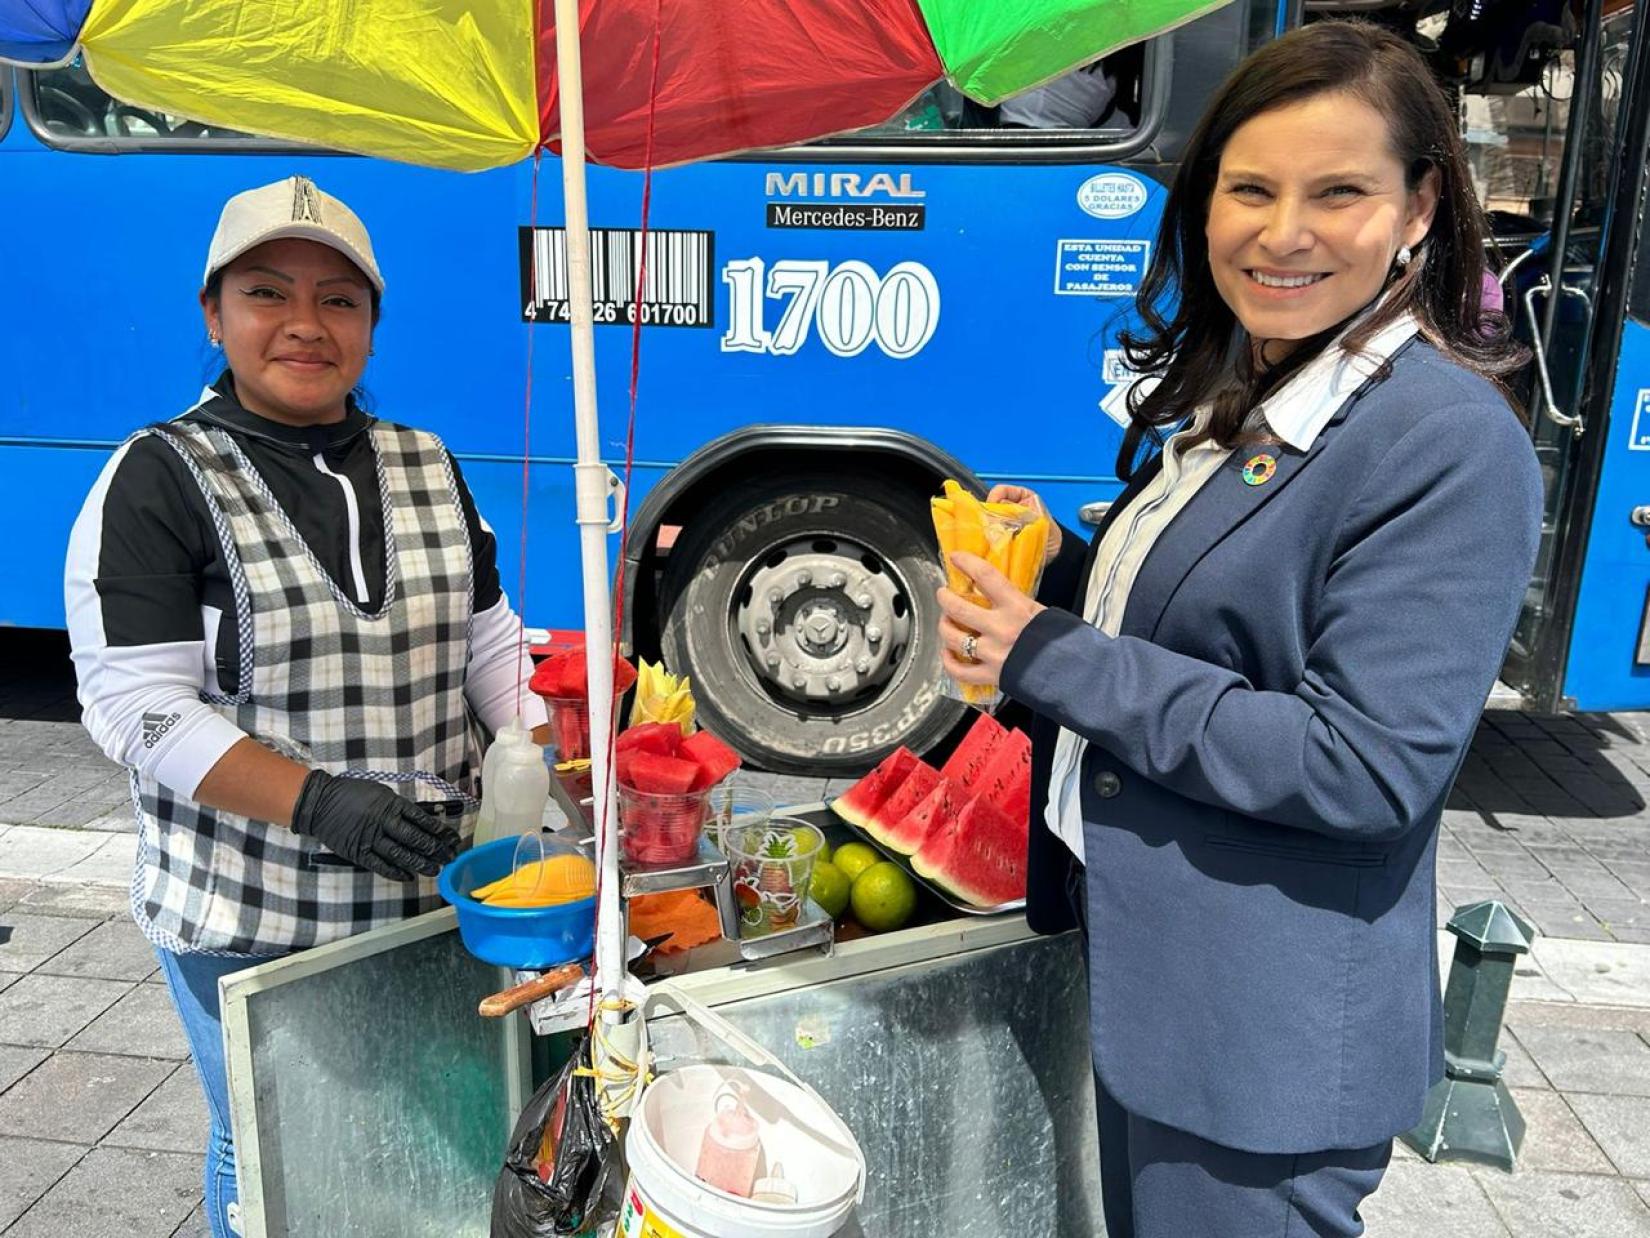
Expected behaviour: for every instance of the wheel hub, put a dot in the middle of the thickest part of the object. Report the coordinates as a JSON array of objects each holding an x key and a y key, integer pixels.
[{"x": 819, "y": 623}]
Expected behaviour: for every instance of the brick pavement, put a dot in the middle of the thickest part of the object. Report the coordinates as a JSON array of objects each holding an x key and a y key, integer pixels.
[
  {"x": 101, "y": 1121},
  {"x": 1549, "y": 815}
]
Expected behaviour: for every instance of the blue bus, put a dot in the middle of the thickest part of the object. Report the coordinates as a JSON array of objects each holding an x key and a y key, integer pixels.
[{"x": 829, "y": 331}]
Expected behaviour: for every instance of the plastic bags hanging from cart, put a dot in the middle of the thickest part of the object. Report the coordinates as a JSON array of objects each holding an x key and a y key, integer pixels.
[{"x": 558, "y": 1175}]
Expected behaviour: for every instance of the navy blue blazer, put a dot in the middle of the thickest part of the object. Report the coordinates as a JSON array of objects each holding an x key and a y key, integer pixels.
[{"x": 1273, "y": 734}]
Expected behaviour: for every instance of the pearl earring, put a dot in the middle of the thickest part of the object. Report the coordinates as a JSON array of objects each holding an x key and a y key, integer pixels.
[
  {"x": 212, "y": 339},
  {"x": 1403, "y": 256}
]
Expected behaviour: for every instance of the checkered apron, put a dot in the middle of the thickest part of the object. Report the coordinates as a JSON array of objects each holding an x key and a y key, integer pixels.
[{"x": 360, "y": 695}]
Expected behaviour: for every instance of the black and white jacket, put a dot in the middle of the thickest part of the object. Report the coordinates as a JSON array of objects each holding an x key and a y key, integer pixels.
[{"x": 148, "y": 594}]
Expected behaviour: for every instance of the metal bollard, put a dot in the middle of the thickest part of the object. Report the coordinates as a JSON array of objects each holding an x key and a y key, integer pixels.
[{"x": 1469, "y": 1113}]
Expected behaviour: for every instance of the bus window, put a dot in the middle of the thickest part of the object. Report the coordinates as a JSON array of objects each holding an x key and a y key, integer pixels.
[
  {"x": 1121, "y": 99},
  {"x": 1104, "y": 96},
  {"x": 67, "y": 109}
]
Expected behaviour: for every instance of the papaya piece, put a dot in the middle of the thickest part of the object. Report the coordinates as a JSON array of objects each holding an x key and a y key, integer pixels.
[
  {"x": 1018, "y": 512},
  {"x": 945, "y": 530},
  {"x": 1026, "y": 558},
  {"x": 970, "y": 537},
  {"x": 999, "y": 538}
]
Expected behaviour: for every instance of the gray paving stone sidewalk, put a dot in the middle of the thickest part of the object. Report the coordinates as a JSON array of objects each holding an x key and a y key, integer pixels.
[
  {"x": 101, "y": 1118},
  {"x": 1549, "y": 815}
]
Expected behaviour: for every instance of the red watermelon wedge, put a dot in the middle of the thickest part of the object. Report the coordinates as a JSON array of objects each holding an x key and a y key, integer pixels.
[
  {"x": 936, "y": 812},
  {"x": 975, "y": 751},
  {"x": 714, "y": 758},
  {"x": 860, "y": 801},
  {"x": 657, "y": 775},
  {"x": 565, "y": 674},
  {"x": 1006, "y": 778},
  {"x": 660, "y": 738},
  {"x": 981, "y": 859},
  {"x": 918, "y": 784}
]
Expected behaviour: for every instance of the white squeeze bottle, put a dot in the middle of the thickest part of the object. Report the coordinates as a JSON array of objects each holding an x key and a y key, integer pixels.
[{"x": 515, "y": 785}]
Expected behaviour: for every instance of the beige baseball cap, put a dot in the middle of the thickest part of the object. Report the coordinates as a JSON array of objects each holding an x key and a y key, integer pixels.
[{"x": 293, "y": 207}]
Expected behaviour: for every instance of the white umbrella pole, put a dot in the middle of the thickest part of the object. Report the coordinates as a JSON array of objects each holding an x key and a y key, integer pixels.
[{"x": 590, "y": 481}]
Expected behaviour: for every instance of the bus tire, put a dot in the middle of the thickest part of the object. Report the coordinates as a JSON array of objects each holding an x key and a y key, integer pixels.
[{"x": 803, "y": 607}]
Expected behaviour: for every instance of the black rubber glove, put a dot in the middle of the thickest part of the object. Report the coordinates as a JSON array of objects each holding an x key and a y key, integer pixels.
[{"x": 372, "y": 827}]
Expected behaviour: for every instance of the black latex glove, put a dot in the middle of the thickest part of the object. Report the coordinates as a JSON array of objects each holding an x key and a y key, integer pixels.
[{"x": 372, "y": 827}]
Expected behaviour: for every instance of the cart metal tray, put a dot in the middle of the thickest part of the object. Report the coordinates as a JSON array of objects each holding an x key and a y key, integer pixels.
[
  {"x": 904, "y": 861},
  {"x": 813, "y": 929}
]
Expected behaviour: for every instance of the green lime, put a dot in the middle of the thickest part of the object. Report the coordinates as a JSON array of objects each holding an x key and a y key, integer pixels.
[
  {"x": 829, "y": 888},
  {"x": 854, "y": 858},
  {"x": 883, "y": 897}
]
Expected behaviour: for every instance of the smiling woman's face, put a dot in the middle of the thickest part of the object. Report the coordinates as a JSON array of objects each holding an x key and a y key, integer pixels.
[
  {"x": 295, "y": 319},
  {"x": 1308, "y": 212}
]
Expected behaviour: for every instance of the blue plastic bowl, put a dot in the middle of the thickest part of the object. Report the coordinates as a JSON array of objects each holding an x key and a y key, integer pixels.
[{"x": 528, "y": 938}]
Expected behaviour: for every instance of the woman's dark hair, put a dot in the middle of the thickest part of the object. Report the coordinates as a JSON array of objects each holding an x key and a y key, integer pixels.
[{"x": 1190, "y": 335}]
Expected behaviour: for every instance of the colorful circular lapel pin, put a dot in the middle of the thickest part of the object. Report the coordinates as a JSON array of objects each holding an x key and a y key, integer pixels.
[{"x": 1258, "y": 470}]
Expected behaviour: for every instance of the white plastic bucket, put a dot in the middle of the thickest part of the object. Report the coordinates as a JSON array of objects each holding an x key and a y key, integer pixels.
[{"x": 821, "y": 1158}]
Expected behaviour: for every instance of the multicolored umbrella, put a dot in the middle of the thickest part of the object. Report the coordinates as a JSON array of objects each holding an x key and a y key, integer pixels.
[{"x": 470, "y": 86}]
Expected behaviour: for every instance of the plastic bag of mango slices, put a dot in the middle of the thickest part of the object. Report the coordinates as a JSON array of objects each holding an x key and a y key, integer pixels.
[{"x": 1011, "y": 537}]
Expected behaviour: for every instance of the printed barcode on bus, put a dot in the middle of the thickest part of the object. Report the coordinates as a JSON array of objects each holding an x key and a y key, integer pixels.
[{"x": 679, "y": 289}]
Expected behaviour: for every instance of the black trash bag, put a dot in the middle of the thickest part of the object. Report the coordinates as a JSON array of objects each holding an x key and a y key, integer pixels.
[{"x": 560, "y": 1161}]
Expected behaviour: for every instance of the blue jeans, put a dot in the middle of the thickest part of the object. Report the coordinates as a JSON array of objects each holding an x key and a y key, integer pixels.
[{"x": 193, "y": 980}]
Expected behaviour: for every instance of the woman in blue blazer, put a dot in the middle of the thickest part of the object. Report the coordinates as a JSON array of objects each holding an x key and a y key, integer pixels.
[{"x": 1255, "y": 688}]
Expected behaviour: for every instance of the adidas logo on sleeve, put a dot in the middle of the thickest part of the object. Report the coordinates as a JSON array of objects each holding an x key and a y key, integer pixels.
[{"x": 155, "y": 727}]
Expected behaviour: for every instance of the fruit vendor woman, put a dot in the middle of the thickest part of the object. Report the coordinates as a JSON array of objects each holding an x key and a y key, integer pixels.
[
  {"x": 287, "y": 622},
  {"x": 1255, "y": 688}
]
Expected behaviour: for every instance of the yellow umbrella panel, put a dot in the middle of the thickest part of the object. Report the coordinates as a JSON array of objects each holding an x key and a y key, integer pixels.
[{"x": 433, "y": 82}]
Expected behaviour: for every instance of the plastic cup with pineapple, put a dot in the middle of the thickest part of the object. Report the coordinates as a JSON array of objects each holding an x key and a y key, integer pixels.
[{"x": 773, "y": 866}]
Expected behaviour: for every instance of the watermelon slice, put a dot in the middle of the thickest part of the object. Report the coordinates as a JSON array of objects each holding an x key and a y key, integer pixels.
[
  {"x": 623, "y": 762},
  {"x": 859, "y": 802},
  {"x": 936, "y": 812},
  {"x": 1006, "y": 779},
  {"x": 981, "y": 858},
  {"x": 714, "y": 758},
  {"x": 660, "y": 738},
  {"x": 975, "y": 752},
  {"x": 659, "y": 775},
  {"x": 918, "y": 785},
  {"x": 566, "y": 674},
  {"x": 570, "y": 728}
]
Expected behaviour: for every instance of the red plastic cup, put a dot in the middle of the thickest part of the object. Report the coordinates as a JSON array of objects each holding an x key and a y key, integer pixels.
[{"x": 661, "y": 829}]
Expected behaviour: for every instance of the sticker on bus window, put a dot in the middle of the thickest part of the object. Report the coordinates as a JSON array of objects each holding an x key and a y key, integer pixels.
[
  {"x": 1111, "y": 195},
  {"x": 1099, "y": 268},
  {"x": 679, "y": 289}
]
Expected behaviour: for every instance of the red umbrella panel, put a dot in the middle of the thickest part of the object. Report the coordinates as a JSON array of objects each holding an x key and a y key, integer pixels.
[{"x": 737, "y": 74}]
